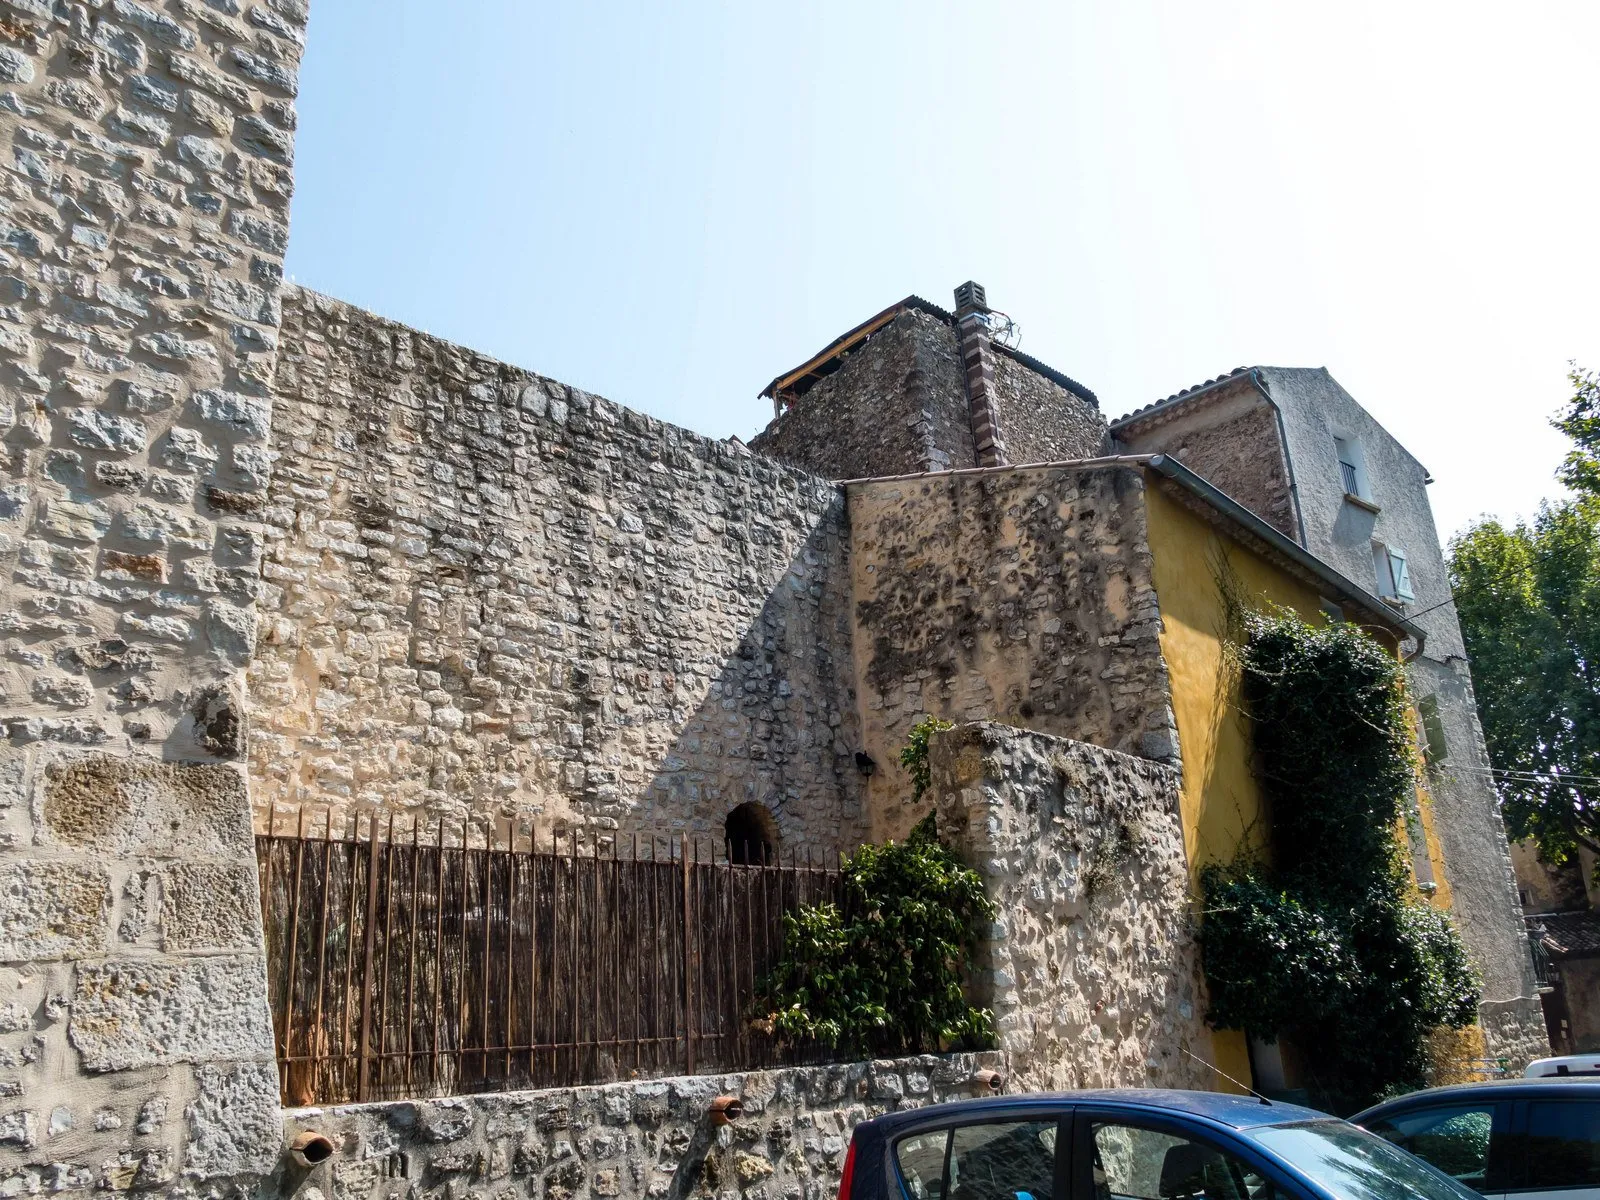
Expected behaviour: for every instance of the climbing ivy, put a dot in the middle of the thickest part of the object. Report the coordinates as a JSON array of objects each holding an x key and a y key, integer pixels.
[
  {"x": 914, "y": 757},
  {"x": 1329, "y": 945},
  {"x": 882, "y": 973}
]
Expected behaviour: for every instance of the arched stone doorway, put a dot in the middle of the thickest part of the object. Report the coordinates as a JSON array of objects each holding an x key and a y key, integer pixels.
[{"x": 752, "y": 834}]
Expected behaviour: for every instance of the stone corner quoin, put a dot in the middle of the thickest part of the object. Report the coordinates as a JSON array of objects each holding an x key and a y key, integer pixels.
[{"x": 146, "y": 154}]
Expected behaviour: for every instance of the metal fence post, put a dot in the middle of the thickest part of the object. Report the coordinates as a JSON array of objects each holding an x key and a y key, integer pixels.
[
  {"x": 364, "y": 1065},
  {"x": 688, "y": 963}
]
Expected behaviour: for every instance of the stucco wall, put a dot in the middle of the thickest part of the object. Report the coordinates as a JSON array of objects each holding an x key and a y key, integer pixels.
[
  {"x": 1227, "y": 438},
  {"x": 896, "y": 406},
  {"x": 629, "y": 1140},
  {"x": 1315, "y": 411},
  {"x": 1040, "y": 420},
  {"x": 1022, "y": 595},
  {"x": 145, "y": 215},
  {"x": 1090, "y": 966},
  {"x": 490, "y": 593}
]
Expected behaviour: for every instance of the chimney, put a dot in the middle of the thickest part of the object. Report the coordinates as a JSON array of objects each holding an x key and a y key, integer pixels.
[{"x": 972, "y": 325}]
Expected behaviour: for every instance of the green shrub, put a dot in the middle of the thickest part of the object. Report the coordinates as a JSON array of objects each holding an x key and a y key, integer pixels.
[{"x": 883, "y": 973}]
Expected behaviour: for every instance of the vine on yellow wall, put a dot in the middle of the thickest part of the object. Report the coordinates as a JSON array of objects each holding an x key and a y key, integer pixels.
[{"x": 1329, "y": 946}]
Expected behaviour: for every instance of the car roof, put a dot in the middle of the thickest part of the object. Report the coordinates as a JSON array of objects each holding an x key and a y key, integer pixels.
[
  {"x": 1236, "y": 1112},
  {"x": 1501, "y": 1089}
]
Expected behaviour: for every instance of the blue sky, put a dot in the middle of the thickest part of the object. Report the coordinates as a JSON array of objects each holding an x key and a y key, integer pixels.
[{"x": 669, "y": 204}]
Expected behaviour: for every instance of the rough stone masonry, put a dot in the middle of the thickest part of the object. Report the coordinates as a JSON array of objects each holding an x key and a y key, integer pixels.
[{"x": 144, "y": 204}]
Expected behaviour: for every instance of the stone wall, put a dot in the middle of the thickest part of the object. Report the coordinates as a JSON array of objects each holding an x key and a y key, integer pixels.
[
  {"x": 1231, "y": 440},
  {"x": 1090, "y": 967},
  {"x": 489, "y": 593},
  {"x": 896, "y": 406},
  {"x": 1023, "y": 595},
  {"x": 141, "y": 250},
  {"x": 629, "y": 1140},
  {"x": 1040, "y": 420},
  {"x": 135, "y": 1042},
  {"x": 145, "y": 214}
]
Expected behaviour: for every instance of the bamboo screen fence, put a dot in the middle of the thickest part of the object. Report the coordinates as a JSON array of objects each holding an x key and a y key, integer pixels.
[{"x": 444, "y": 960}]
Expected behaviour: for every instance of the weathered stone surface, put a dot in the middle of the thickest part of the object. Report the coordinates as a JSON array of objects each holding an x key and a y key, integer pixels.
[
  {"x": 495, "y": 593},
  {"x": 234, "y": 1123},
  {"x": 1025, "y": 595},
  {"x": 897, "y": 406},
  {"x": 51, "y": 909},
  {"x": 642, "y": 1140},
  {"x": 210, "y": 906},
  {"x": 125, "y": 807},
  {"x": 133, "y": 1013},
  {"x": 1091, "y": 968}
]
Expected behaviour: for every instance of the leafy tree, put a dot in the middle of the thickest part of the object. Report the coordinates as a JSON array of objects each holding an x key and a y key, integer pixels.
[
  {"x": 1580, "y": 421},
  {"x": 1528, "y": 598}
]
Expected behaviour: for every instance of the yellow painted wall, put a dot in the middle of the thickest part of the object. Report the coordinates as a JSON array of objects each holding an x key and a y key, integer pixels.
[{"x": 1194, "y": 569}]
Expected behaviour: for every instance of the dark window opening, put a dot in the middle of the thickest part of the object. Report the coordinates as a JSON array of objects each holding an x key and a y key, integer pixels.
[{"x": 752, "y": 835}]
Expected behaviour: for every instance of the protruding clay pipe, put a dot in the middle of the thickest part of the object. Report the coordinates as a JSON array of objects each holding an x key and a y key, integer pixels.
[
  {"x": 990, "y": 1081},
  {"x": 726, "y": 1109},
  {"x": 310, "y": 1148}
]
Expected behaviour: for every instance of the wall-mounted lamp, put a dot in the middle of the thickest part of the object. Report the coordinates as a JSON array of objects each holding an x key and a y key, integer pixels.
[{"x": 864, "y": 763}]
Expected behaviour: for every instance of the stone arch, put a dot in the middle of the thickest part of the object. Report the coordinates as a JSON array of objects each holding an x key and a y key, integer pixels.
[{"x": 752, "y": 834}]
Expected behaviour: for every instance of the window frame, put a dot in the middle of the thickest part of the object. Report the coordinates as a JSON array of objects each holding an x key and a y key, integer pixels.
[
  {"x": 1081, "y": 1179},
  {"x": 1503, "y": 1161},
  {"x": 1348, "y": 451},
  {"x": 1061, "y": 1174}
]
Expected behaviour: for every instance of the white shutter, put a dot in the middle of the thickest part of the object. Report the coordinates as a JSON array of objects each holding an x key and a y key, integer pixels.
[{"x": 1401, "y": 574}]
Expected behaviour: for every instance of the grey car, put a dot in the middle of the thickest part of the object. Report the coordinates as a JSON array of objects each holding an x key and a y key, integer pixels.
[{"x": 1521, "y": 1137}]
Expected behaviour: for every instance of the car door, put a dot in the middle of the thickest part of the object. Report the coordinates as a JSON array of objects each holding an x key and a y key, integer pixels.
[
  {"x": 1014, "y": 1156},
  {"x": 1560, "y": 1142},
  {"x": 1469, "y": 1140},
  {"x": 1119, "y": 1155}
]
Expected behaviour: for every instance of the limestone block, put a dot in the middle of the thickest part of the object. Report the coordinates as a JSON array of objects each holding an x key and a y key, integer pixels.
[
  {"x": 131, "y": 1013},
  {"x": 210, "y": 906},
  {"x": 234, "y": 1123},
  {"x": 125, "y": 808},
  {"x": 53, "y": 909}
]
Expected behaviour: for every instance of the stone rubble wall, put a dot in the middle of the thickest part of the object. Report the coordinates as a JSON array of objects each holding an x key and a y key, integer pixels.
[
  {"x": 630, "y": 1140},
  {"x": 1231, "y": 439},
  {"x": 1042, "y": 421},
  {"x": 143, "y": 219},
  {"x": 488, "y": 594},
  {"x": 896, "y": 406},
  {"x": 1090, "y": 967},
  {"x": 1022, "y": 595}
]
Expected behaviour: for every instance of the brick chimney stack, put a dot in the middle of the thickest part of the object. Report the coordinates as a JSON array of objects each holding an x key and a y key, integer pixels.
[{"x": 972, "y": 325}]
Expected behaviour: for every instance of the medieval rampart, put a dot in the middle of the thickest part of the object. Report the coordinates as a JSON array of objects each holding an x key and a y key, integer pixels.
[{"x": 490, "y": 594}]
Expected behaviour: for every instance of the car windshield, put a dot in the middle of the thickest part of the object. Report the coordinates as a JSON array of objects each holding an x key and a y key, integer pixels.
[{"x": 1354, "y": 1165}]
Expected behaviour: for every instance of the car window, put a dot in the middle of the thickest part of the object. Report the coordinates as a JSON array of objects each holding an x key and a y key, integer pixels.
[
  {"x": 995, "y": 1160},
  {"x": 1353, "y": 1164},
  {"x": 1563, "y": 1143},
  {"x": 1454, "y": 1138},
  {"x": 921, "y": 1159},
  {"x": 1012, "y": 1161},
  {"x": 1132, "y": 1163}
]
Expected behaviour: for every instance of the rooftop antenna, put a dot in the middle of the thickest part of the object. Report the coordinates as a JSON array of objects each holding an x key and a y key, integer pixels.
[{"x": 1229, "y": 1078}]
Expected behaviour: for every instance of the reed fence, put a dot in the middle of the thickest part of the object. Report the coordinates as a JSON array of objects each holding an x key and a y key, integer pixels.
[{"x": 411, "y": 962}]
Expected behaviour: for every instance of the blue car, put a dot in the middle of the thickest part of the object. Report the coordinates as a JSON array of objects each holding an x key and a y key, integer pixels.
[{"x": 1130, "y": 1145}]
